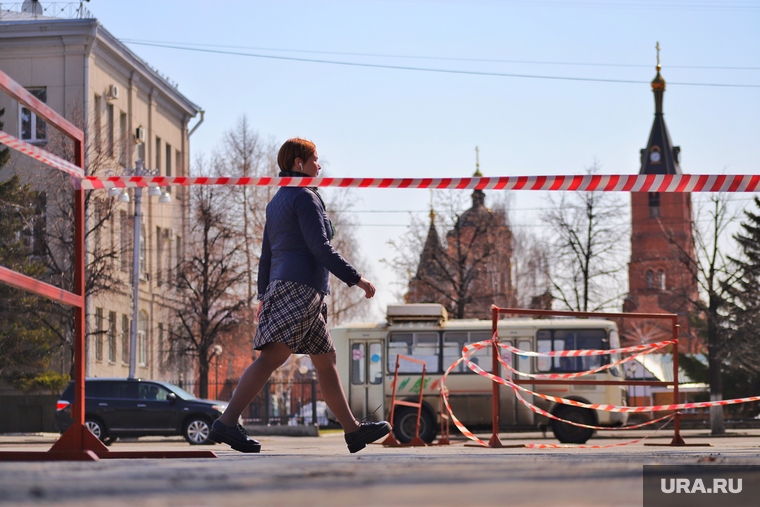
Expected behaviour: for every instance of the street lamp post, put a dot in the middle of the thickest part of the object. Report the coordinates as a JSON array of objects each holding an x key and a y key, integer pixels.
[
  {"x": 217, "y": 351},
  {"x": 138, "y": 170}
]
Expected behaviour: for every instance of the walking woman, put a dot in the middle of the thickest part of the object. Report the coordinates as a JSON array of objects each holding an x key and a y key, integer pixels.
[{"x": 296, "y": 260}]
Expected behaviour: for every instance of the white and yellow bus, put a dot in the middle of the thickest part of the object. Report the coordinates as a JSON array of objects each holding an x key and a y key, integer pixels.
[{"x": 367, "y": 358}]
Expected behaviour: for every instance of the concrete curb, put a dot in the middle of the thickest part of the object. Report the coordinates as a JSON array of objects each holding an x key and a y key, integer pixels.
[{"x": 310, "y": 430}]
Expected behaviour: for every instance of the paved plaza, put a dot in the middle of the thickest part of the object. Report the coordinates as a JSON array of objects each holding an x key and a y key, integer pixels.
[{"x": 317, "y": 471}]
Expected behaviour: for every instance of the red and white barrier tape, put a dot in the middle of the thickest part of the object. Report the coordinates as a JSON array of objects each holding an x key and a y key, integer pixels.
[
  {"x": 585, "y": 352},
  {"x": 468, "y": 434},
  {"x": 600, "y": 406},
  {"x": 550, "y": 376},
  {"x": 470, "y": 349},
  {"x": 605, "y": 183},
  {"x": 39, "y": 154}
]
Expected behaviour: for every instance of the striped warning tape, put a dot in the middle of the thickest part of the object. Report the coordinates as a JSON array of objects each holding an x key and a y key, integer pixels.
[
  {"x": 600, "y": 406},
  {"x": 550, "y": 376},
  {"x": 472, "y": 348},
  {"x": 596, "y": 182},
  {"x": 40, "y": 154},
  {"x": 585, "y": 352}
]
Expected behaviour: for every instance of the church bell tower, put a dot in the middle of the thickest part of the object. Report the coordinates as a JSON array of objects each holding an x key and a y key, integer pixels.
[{"x": 660, "y": 274}]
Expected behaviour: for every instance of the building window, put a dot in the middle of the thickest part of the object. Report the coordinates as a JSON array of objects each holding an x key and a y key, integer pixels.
[
  {"x": 142, "y": 339},
  {"x": 650, "y": 279},
  {"x": 124, "y": 339},
  {"x": 31, "y": 127},
  {"x": 178, "y": 163},
  {"x": 111, "y": 337},
  {"x": 110, "y": 128},
  {"x": 34, "y": 236},
  {"x": 660, "y": 280},
  {"x": 168, "y": 159},
  {"x": 123, "y": 141},
  {"x": 98, "y": 106},
  {"x": 159, "y": 256},
  {"x": 158, "y": 155},
  {"x": 161, "y": 344},
  {"x": 126, "y": 241},
  {"x": 178, "y": 259},
  {"x": 99, "y": 332},
  {"x": 654, "y": 205},
  {"x": 168, "y": 255}
]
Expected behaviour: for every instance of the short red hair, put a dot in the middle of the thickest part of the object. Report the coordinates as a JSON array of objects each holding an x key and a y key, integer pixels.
[{"x": 292, "y": 149}]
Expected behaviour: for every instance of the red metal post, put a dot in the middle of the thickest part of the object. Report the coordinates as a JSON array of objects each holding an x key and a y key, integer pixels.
[
  {"x": 417, "y": 441},
  {"x": 494, "y": 441},
  {"x": 390, "y": 440}
]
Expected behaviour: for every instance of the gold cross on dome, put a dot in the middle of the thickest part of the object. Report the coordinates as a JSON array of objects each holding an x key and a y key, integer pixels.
[{"x": 657, "y": 47}]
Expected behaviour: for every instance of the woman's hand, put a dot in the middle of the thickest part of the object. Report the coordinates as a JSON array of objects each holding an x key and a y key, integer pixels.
[
  {"x": 258, "y": 312},
  {"x": 366, "y": 285}
]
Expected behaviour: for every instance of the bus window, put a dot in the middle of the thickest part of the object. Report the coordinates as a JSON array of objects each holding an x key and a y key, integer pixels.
[
  {"x": 423, "y": 346},
  {"x": 544, "y": 344},
  {"x": 454, "y": 341},
  {"x": 482, "y": 357},
  {"x": 375, "y": 363},
  {"x": 572, "y": 339},
  {"x": 452, "y": 350},
  {"x": 357, "y": 364}
]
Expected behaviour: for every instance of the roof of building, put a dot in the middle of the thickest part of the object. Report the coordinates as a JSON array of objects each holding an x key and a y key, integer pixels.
[
  {"x": 660, "y": 156},
  {"x": 428, "y": 263},
  {"x": 17, "y": 24}
]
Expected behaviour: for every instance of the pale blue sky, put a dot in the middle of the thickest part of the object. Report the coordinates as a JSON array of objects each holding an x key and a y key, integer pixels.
[{"x": 384, "y": 122}]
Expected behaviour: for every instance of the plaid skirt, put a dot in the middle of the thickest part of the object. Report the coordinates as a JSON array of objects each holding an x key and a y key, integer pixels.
[{"x": 296, "y": 315}]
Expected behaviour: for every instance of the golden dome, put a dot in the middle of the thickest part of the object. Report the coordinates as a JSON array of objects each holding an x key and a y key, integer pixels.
[{"x": 658, "y": 83}]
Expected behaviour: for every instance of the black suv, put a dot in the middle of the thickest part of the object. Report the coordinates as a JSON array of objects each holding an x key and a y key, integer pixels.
[{"x": 136, "y": 408}]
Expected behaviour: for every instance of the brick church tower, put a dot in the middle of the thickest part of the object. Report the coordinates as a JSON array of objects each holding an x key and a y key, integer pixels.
[{"x": 662, "y": 243}]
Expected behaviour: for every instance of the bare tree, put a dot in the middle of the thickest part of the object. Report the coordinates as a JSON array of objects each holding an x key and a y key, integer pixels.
[
  {"x": 345, "y": 303},
  {"x": 471, "y": 268},
  {"x": 711, "y": 268},
  {"x": 57, "y": 229},
  {"x": 212, "y": 278},
  {"x": 589, "y": 236},
  {"x": 532, "y": 281}
]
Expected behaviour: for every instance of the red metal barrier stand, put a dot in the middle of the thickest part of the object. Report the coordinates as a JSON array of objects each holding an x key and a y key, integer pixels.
[
  {"x": 495, "y": 441},
  {"x": 677, "y": 439},
  {"x": 77, "y": 443},
  {"x": 390, "y": 440}
]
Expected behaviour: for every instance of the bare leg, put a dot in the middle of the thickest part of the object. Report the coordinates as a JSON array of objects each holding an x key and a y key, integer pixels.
[
  {"x": 272, "y": 356},
  {"x": 329, "y": 382}
]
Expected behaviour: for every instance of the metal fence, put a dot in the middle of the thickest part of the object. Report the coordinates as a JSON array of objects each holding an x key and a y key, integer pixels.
[{"x": 280, "y": 403}]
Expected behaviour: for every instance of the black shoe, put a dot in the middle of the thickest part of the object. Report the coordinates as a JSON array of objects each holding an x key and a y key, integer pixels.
[
  {"x": 367, "y": 433},
  {"x": 235, "y": 436}
]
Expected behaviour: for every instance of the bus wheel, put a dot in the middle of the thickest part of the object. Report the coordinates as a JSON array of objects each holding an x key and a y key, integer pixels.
[
  {"x": 569, "y": 434},
  {"x": 405, "y": 421}
]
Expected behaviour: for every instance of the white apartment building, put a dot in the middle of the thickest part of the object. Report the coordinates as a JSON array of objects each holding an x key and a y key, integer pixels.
[{"x": 133, "y": 113}]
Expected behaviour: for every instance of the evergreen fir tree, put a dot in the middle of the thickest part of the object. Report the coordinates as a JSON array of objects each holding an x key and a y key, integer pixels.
[
  {"x": 742, "y": 357},
  {"x": 27, "y": 345}
]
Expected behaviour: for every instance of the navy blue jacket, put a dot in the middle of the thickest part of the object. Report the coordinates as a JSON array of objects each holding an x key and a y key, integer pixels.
[{"x": 296, "y": 244}]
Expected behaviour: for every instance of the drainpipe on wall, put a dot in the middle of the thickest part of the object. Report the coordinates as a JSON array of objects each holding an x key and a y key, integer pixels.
[{"x": 197, "y": 124}]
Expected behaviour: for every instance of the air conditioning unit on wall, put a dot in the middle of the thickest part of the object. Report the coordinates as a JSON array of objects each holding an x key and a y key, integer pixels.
[
  {"x": 140, "y": 135},
  {"x": 113, "y": 92}
]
